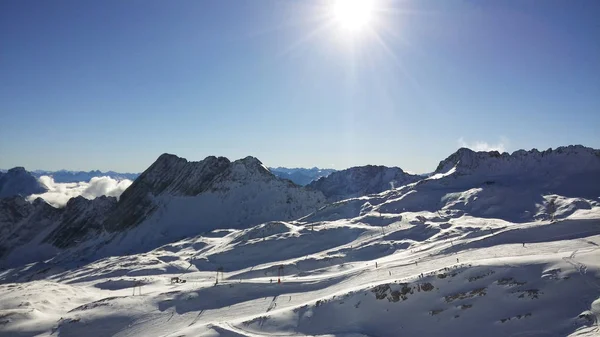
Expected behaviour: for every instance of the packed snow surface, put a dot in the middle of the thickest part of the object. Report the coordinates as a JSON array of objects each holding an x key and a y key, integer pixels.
[{"x": 376, "y": 274}]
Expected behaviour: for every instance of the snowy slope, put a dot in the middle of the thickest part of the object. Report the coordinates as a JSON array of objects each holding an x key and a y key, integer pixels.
[
  {"x": 17, "y": 181},
  {"x": 520, "y": 187},
  {"x": 362, "y": 180},
  {"x": 342, "y": 278},
  {"x": 456, "y": 254}
]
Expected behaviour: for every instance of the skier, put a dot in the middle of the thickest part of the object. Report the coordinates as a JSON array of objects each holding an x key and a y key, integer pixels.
[
  {"x": 523, "y": 244},
  {"x": 457, "y": 260}
]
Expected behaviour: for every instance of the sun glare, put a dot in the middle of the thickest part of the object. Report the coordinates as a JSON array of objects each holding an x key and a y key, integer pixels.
[{"x": 353, "y": 15}]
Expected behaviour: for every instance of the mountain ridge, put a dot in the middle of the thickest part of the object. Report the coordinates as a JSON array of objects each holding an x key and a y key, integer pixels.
[
  {"x": 182, "y": 192},
  {"x": 18, "y": 181},
  {"x": 301, "y": 176},
  {"x": 466, "y": 249},
  {"x": 175, "y": 198},
  {"x": 68, "y": 176}
]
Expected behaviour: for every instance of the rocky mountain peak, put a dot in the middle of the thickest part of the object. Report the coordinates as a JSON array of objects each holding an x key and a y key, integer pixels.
[
  {"x": 17, "y": 181},
  {"x": 17, "y": 170},
  {"x": 172, "y": 176},
  {"x": 249, "y": 168},
  {"x": 568, "y": 159}
]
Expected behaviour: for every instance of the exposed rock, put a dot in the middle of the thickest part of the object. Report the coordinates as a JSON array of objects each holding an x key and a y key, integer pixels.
[
  {"x": 463, "y": 295},
  {"x": 427, "y": 286},
  {"x": 509, "y": 281},
  {"x": 435, "y": 312},
  {"x": 477, "y": 277},
  {"x": 531, "y": 293}
]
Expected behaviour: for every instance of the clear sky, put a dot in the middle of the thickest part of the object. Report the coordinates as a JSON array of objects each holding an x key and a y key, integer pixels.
[{"x": 112, "y": 84}]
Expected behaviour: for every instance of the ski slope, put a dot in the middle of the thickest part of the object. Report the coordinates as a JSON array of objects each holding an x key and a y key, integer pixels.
[{"x": 352, "y": 277}]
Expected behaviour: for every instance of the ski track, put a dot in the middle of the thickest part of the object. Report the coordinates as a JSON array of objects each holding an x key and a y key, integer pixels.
[{"x": 101, "y": 301}]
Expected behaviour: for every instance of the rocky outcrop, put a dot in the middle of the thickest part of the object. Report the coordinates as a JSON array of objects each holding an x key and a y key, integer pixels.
[{"x": 23, "y": 223}]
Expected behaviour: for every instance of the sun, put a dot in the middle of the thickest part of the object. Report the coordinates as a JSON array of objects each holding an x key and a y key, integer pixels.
[{"x": 353, "y": 15}]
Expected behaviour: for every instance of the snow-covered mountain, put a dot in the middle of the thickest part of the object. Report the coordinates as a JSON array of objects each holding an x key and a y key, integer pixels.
[
  {"x": 17, "y": 181},
  {"x": 301, "y": 176},
  {"x": 65, "y": 176},
  {"x": 172, "y": 199},
  {"x": 362, "y": 180},
  {"x": 574, "y": 159},
  {"x": 517, "y": 187},
  {"x": 490, "y": 244},
  {"x": 36, "y": 231}
]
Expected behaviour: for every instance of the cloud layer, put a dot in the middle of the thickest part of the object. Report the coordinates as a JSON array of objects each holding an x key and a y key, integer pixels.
[
  {"x": 59, "y": 193},
  {"x": 484, "y": 146}
]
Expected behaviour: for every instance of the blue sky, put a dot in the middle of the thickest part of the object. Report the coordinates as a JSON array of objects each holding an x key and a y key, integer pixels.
[{"x": 113, "y": 84}]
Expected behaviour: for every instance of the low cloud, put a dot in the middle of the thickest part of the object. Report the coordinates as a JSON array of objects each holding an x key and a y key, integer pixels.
[
  {"x": 59, "y": 193},
  {"x": 484, "y": 146}
]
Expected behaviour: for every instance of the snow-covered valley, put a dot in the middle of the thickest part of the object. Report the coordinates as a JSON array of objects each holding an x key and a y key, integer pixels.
[{"x": 485, "y": 246}]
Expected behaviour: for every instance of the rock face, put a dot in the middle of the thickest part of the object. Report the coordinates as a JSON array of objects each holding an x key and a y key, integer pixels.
[
  {"x": 35, "y": 231},
  {"x": 173, "y": 198},
  {"x": 17, "y": 181},
  {"x": 168, "y": 175},
  {"x": 78, "y": 218},
  {"x": 170, "y": 179},
  {"x": 362, "y": 180}
]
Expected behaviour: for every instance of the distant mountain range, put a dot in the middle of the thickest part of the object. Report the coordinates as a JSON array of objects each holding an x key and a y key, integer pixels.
[
  {"x": 64, "y": 176},
  {"x": 175, "y": 198},
  {"x": 301, "y": 176}
]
